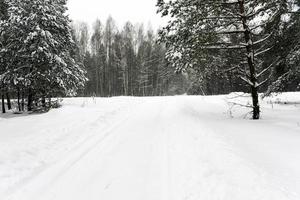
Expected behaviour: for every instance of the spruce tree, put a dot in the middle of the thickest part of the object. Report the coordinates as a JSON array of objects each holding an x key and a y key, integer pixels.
[{"x": 40, "y": 50}]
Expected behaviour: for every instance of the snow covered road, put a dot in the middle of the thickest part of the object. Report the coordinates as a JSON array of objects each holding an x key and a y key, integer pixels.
[{"x": 161, "y": 148}]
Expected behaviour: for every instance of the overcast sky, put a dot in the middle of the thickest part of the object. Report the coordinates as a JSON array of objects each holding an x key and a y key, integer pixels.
[{"x": 136, "y": 11}]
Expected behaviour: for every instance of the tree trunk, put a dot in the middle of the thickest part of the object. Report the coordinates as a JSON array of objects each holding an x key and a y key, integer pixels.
[
  {"x": 19, "y": 103},
  {"x": 8, "y": 101},
  {"x": 125, "y": 83},
  {"x": 49, "y": 100},
  {"x": 97, "y": 80},
  {"x": 3, "y": 103},
  {"x": 44, "y": 102},
  {"x": 23, "y": 101},
  {"x": 255, "y": 101},
  {"x": 30, "y": 100},
  {"x": 250, "y": 60},
  {"x": 104, "y": 81}
]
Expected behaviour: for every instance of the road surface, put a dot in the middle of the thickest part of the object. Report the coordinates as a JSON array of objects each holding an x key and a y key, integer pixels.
[{"x": 163, "y": 149}]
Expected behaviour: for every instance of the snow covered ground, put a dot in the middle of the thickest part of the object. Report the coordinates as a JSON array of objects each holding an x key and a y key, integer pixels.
[{"x": 159, "y": 148}]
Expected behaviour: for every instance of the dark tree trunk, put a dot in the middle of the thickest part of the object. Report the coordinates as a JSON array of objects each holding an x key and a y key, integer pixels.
[
  {"x": 3, "y": 103},
  {"x": 23, "y": 101},
  {"x": 44, "y": 102},
  {"x": 49, "y": 100},
  {"x": 250, "y": 60},
  {"x": 8, "y": 101},
  {"x": 29, "y": 100},
  {"x": 255, "y": 101},
  {"x": 19, "y": 103}
]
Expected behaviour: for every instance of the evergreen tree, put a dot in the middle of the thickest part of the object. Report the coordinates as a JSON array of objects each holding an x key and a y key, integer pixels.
[
  {"x": 39, "y": 48},
  {"x": 198, "y": 29},
  {"x": 285, "y": 74}
]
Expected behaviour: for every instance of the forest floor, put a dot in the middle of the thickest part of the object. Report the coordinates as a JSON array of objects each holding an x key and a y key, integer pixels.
[{"x": 156, "y": 148}]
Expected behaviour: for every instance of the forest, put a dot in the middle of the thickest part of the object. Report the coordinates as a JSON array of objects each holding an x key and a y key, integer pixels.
[
  {"x": 206, "y": 48},
  {"x": 149, "y": 99},
  {"x": 126, "y": 61},
  {"x": 253, "y": 44},
  {"x": 45, "y": 55}
]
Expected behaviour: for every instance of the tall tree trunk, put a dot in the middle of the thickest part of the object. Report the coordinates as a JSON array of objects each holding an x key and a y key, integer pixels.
[
  {"x": 97, "y": 92},
  {"x": 23, "y": 101},
  {"x": 19, "y": 103},
  {"x": 49, "y": 100},
  {"x": 100, "y": 83},
  {"x": 8, "y": 101},
  {"x": 125, "y": 83},
  {"x": 3, "y": 103},
  {"x": 29, "y": 100},
  {"x": 104, "y": 81},
  {"x": 250, "y": 60},
  {"x": 44, "y": 102}
]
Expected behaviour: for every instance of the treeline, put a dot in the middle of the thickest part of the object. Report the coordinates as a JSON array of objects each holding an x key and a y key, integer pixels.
[
  {"x": 234, "y": 45},
  {"x": 124, "y": 61},
  {"x": 43, "y": 55},
  {"x": 37, "y": 56}
]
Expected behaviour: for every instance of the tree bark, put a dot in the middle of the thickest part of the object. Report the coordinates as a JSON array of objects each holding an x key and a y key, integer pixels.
[
  {"x": 30, "y": 100},
  {"x": 44, "y": 102},
  {"x": 23, "y": 101},
  {"x": 250, "y": 60},
  {"x": 3, "y": 103},
  {"x": 97, "y": 80},
  {"x": 49, "y": 100},
  {"x": 19, "y": 103},
  {"x": 8, "y": 101}
]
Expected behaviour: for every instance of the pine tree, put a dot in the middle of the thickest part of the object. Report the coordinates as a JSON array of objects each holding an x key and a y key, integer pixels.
[
  {"x": 198, "y": 28},
  {"x": 285, "y": 72}
]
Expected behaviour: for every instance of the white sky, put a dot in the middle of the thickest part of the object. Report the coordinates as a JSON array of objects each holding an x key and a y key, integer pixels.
[{"x": 135, "y": 11}]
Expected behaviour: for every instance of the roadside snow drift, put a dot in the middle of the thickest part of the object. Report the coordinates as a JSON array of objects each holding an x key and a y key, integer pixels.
[{"x": 159, "y": 148}]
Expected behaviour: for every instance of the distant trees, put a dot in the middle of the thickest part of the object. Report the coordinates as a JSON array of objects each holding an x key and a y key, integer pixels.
[
  {"x": 126, "y": 61},
  {"x": 3, "y": 16},
  {"x": 3, "y": 9},
  {"x": 212, "y": 38},
  {"x": 285, "y": 76},
  {"x": 37, "y": 53}
]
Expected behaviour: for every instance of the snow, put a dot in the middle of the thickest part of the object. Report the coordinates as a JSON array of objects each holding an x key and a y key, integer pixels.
[{"x": 176, "y": 148}]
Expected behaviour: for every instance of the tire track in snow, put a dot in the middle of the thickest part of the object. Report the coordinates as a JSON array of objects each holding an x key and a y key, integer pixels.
[
  {"x": 60, "y": 167},
  {"x": 164, "y": 151}
]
